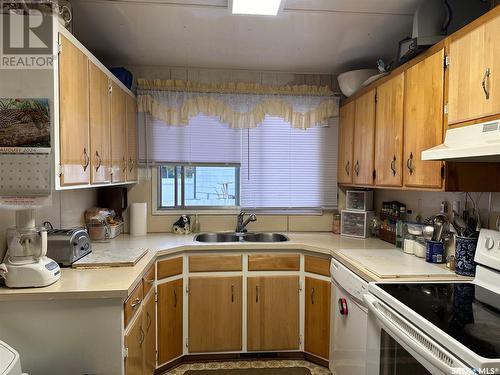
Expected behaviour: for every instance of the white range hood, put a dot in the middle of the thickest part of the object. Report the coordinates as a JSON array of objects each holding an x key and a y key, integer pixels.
[{"x": 474, "y": 143}]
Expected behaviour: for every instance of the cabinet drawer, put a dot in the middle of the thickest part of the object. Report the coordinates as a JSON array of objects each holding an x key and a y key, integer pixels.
[
  {"x": 133, "y": 303},
  {"x": 148, "y": 280},
  {"x": 213, "y": 263},
  {"x": 272, "y": 262},
  {"x": 169, "y": 267},
  {"x": 317, "y": 265}
]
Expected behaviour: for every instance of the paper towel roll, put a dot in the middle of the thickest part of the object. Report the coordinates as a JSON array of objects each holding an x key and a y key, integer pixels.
[{"x": 138, "y": 219}]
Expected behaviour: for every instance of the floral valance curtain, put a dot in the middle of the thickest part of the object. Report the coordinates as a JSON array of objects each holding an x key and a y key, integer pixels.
[{"x": 240, "y": 105}]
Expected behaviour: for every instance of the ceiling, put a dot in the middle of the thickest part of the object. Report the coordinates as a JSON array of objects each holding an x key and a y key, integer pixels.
[{"x": 314, "y": 36}]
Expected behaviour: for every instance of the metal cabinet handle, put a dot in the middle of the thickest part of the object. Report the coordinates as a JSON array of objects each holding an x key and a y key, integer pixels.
[
  {"x": 141, "y": 337},
  {"x": 347, "y": 169},
  {"x": 232, "y": 293},
  {"x": 485, "y": 83},
  {"x": 393, "y": 166},
  {"x": 136, "y": 303},
  {"x": 312, "y": 296},
  {"x": 148, "y": 320},
  {"x": 175, "y": 298},
  {"x": 124, "y": 164},
  {"x": 86, "y": 159},
  {"x": 356, "y": 168},
  {"x": 409, "y": 163},
  {"x": 256, "y": 294},
  {"x": 98, "y": 161},
  {"x": 131, "y": 164}
]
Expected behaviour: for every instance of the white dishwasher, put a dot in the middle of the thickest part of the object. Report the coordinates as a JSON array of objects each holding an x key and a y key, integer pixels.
[{"x": 349, "y": 318}]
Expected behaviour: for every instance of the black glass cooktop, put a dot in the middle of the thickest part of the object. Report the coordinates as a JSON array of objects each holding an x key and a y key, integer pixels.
[{"x": 467, "y": 312}]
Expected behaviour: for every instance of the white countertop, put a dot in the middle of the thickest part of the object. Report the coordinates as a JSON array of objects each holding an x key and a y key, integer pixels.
[{"x": 118, "y": 282}]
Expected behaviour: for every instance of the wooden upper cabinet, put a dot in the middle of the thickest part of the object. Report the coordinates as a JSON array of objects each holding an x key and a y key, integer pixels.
[
  {"x": 100, "y": 143},
  {"x": 423, "y": 121},
  {"x": 474, "y": 74},
  {"x": 346, "y": 138},
  {"x": 317, "y": 317},
  {"x": 364, "y": 139},
  {"x": 215, "y": 314},
  {"x": 118, "y": 134},
  {"x": 73, "y": 115},
  {"x": 389, "y": 132},
  {"x": 170, "y": 330},
  {"x": 273, "y": 313},
  {"x": 131, "y": 120}
]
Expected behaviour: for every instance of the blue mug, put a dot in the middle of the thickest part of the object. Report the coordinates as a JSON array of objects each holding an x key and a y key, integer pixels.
[
  {"x": 435, "y": 252},
  {"x": 465, "y": 249}
]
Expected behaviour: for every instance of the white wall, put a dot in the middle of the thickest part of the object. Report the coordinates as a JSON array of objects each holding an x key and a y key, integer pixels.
[{"x": 66, "y": 211}]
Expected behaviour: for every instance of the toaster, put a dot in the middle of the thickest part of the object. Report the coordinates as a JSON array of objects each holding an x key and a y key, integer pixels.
[{"x": 66, "y": 246}]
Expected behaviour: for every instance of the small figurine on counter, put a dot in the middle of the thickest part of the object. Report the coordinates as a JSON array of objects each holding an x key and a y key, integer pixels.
[{"x": 182, "y": 226}]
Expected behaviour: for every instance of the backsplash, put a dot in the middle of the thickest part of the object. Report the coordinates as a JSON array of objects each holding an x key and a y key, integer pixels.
[
  {"x": 66, "y": 211},
  {"x": 427, "y": 203}
]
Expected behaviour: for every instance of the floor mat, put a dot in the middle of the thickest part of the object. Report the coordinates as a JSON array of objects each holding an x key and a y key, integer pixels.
[
  {"x": 248, "y": 367},
  {"x": 252, "y": 371}
]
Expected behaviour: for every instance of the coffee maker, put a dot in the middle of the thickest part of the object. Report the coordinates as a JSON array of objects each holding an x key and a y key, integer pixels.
[{"x": 26, "y": 264}]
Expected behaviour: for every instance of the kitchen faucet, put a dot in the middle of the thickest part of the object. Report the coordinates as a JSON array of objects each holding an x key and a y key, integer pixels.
[{"x": 241, "y": 224}]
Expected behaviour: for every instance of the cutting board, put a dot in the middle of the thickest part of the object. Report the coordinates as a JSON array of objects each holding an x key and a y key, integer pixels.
[
  {"x": 112, "y": 258},
  {"x": 394, "y": 263}
]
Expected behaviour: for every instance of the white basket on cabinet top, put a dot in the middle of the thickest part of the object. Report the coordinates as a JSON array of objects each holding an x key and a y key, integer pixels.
[
  {"x": 359, "y": 200},
  {"x": 355, "y": 223}
]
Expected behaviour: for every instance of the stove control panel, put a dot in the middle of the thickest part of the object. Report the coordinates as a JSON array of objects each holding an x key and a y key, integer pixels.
[{"x": 488, "y": 249}]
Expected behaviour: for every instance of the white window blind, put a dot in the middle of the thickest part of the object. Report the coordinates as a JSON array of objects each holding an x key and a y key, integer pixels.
[
  {"x": 204, "y": 140},
  {"x": 280, "y": 167},
  {"x": 289, "y": 168}
]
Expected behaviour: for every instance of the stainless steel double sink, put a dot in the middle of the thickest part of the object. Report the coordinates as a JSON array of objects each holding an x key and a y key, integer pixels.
[{"x": 241, "y": 237}]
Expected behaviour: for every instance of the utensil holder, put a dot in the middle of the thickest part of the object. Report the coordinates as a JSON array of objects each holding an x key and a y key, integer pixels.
[{"x": 465, "y": 249}]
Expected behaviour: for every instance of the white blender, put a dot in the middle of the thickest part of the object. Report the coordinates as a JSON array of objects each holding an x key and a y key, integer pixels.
[{"x": 26, "y": 264}]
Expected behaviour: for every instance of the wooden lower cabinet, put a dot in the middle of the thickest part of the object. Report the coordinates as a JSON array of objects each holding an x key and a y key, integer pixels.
[
  {"x": 170, "y": 312},
  {"x": 273, "y": 313},
  {"x": 134, "y": 341},
  {"x": 317, "y": 317},
  {"x": 215, "y": 314},
  {"x": 148, "y": 323}
]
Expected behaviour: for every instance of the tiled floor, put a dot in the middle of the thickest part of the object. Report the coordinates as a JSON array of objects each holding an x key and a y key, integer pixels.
[{"x": 315, "y": 369}]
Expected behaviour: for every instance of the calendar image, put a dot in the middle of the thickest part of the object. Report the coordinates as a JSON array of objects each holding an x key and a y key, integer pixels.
[{"x": 24, "y": 123}]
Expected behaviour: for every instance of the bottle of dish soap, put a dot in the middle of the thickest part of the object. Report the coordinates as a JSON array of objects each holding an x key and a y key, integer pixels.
[{"x": 196, "y": 224}]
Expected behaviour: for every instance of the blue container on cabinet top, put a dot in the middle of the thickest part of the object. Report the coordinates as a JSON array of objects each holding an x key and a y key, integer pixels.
[{"x": 123, "y": 75}]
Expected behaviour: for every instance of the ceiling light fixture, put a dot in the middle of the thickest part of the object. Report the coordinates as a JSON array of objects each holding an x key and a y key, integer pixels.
[{"x": 256, "y": 7}]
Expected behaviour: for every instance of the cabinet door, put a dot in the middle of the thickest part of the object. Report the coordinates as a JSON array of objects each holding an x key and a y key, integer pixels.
[
  {"x": 423, "y": 121},
  {"x": 118, "y": 134},
  {"x": 73, "y": 115},
  {"x": 389, "y": 132},
  {"x": 346, "y": 137},
  {"x": 134, "y": 341},
  {"x": 364, "y": 139},
  {"x": 215, "y": 314},
  {"x": 149, "y": 324},
  {"x": 273, "y": 313},
  {"x": 100, "y": 144},
  {"x": 131, "y": 138},
  {"x": 474, "y": 70},
  {"x": 170, "y": 302},
  {"x": 317, "y": 319}
]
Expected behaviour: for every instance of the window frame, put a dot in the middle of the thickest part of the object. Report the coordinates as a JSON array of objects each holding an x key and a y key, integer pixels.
[{"x": 182, "y": 208}]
